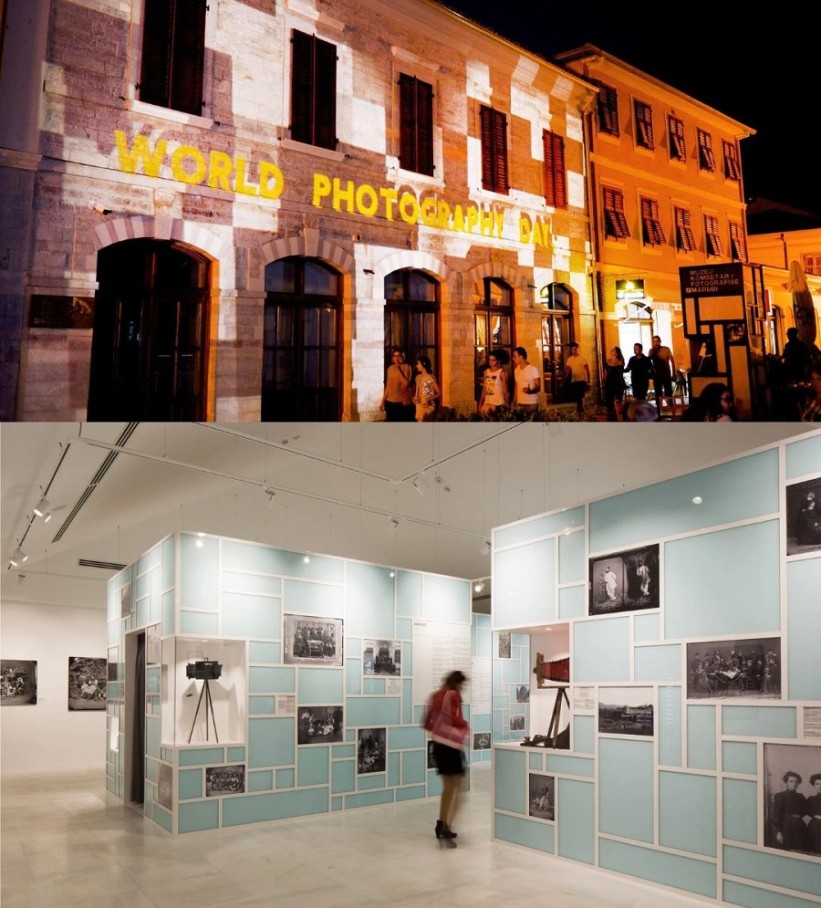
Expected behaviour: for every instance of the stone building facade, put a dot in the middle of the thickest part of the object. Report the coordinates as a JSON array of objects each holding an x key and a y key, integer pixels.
[{"x": 231, "y": 210}]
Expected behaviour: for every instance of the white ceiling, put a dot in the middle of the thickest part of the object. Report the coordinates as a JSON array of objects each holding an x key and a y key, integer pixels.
[{"x": 336, "y": 487}]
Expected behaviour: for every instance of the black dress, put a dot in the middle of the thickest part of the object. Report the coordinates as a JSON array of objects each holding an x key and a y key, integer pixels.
[{"x": 614, "y": 386}]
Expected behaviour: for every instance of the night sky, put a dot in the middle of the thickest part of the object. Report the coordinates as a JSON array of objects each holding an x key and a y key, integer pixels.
[{"x": 761, "y": 68}]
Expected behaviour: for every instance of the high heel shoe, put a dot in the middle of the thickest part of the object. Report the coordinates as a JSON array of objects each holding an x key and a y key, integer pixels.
[{"x": 443, "y": 830}]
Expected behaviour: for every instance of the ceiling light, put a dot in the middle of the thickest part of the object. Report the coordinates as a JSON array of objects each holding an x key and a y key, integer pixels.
[
  {"x": 392, "y": 574},
  {"x": 306, "y": 559},
  {"x": 18, "y": 556},
  {"x": 697, "y": 499},
  {"x": 478, "y": 587},
  {"x": 485, "y": 549},
  {"x": 43, "y": 509},
  {"x": 420, "y": 485}
]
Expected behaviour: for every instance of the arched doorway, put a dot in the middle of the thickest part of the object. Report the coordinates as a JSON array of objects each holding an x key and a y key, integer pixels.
[
  {"x": 492, "y": 328},
  {"x": 412, "y": 316},
  {"x": 301, "y": 361},
  {"x": 557, "y": 333},
  {"x": 148, "y": 352}
]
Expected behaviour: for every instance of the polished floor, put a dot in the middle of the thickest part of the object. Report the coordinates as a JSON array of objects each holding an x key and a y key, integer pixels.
[{"x": 66, "y": 842}]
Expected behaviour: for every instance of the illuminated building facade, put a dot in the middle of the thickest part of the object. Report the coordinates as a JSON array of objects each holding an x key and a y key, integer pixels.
[
  {"x": 232, "y": 210},
  {"x": 666, "y": 193}
]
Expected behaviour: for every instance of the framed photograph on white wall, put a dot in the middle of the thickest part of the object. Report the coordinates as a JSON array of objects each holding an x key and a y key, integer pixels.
[
  {"x": 310, "y": 640},
  {"x": 624, "y": 581}
]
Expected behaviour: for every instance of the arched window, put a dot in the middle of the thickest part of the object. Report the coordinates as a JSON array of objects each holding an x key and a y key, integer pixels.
[
  {"x": 148, "y": 352},
  {"x": 301, "y": 361},
  {"x": 412, "y": 316},
  {"x": 492, "y": 326},
  {"x": 557, "y": 333}
]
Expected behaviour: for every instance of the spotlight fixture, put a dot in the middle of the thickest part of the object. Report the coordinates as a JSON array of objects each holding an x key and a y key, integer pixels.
[
  {"x": 485, "y": 549},
  {"x": 420, "y": 485},
  {"x": 306, "y": 559},
  {"x": 478, "y": 587},
  {"x": 18, "y": 556},
  {"x": 271, "y": 495},
  {"x": 697, "y": 499},
  {"x": 43, "y": 509},
  {"x": 395, "y": 521}
]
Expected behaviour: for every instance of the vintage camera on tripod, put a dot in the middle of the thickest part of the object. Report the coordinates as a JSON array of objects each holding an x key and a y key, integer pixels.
[{"x": 203, "y": 670}]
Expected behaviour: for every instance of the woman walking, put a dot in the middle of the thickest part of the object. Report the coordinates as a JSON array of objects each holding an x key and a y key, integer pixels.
[
  {"x": 614, "y": 384},
  {"x": 427, "y": 391}
]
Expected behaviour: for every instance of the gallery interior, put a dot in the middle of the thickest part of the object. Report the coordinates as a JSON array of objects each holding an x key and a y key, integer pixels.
[{"x": 283, "y": 598}]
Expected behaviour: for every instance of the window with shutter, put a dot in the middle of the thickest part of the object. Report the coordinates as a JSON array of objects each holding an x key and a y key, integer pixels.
[
  {"x": 738, "y": 246},
  {"x": 712, "y": 235},
  {"x": 652, "y": 232},
  {"x": 607, "y": 107},
  {"x": 685, "y": 241},
  {"x": 811, "y": 263},
  {"x": 706, "y": 158},
  {"x": 313, "y": 91},
  {"x": 415, "y": 125},
  {"x": 615, "y": 223},
  {"x": 494, "y": 150},
  {"x": 675, "y": 130},
  {"x": 173, "y": 53},
  {"x": 643, "y": 114},
  {"x": 732, "y": 169},
  {"x": 555, "y": 175}
]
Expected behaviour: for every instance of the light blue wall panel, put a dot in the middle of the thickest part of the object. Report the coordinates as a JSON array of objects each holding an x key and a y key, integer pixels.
[
  {"x": 669, "y": 869},
  {"x": 285, "y": 778},
  {"x": 571, "y": 558},
  {"x": 320, "y": 686},
  {"x": 406, "y": 737},
  {"x": 576, "y": 838},
  {"x": 312, "y": 766},
  {"x": 409, "y": 594},
  {"x": 244, "y": 615},
  {"x": 657, "y": 663},
  {"x": 539, "y": 836},
  {"x": 394, "y": 774},
  {"x": 536, "y": 527},
  {"x": 412, "y": 793},
  {"x": 626, "y": 788},
  {"x": 687, "y": 812},
  {"x": 574, "y": 766},
  {"x": 646, "y": 627},
  {"x": 168, "y": 613},
  {"x": 197, "y": 816},
  {"x": 320, "y": 600},
  {"x": 236, "y": 754},
  {"x": 343, "y": 776},
  {"x": 601, "y": 650},
  {"x": 277, "y": 806},
  {"x": 270, "y": 742},
  {"x": 404, "y": 629},
  {"x": 369, "y": 798},
  {"x": 199, "y": 624},
  {"x": 701, "y": 737},
  {"x": 260, "y": 559},
  {"x": 408, "y": 716},
  {"x": 263, "y": 653},
  {"x": 373, "y": 686},
  {"x": 740, "y": 810},
  {"x": 572, "y": 602},
  {"x": 763, "y": 721},
  {"x": 753, "y": 897},
  {"x": 207, "y": 756},
  {"x": 261, "y": 706},
  {"x": 524, "y": 585},
  {"x": 190, "y": 784},
  {"x": 143, "y": 612},
  {"x": 740, "y": 757},
  {"x": 199, "y": 573},
  {"x": 804, "y": 457},
  {"x": 509, "y": 780},
  {"x": 371, "y": 712},
  {"x": 353, "y": 675},
  {"x": 163, "y": 818},
  {"x": 584, "y": 728},
  {"x": 370, "y": 592},
  {"x": 804, "y": 628},
  {"x": 252, "y": 584},
  {"x": 339, "y": 751},
  {"x": 729, "y": 600},
  {"x": 446, "y": 599},
  {"x": 666, "y": 508},
  {"x": 668, "y": 725},
  {"x": 261, "y": 780},
  {"x": 790, "y": 873},
  {"x": 483, "y": 641},
  {"x": 169, "y": 566},
  {"x": 414, "y": 763},
  {"x": 152, "y": 736},
  {"x": 271, "y": 680}
]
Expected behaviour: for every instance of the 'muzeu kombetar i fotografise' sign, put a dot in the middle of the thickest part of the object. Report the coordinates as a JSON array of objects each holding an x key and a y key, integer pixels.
[{"x": 219, "y": 170}]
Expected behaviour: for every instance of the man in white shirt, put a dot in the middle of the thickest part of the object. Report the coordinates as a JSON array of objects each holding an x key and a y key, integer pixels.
[
  {"x": 577, "y": 375},
  {"x": 528, "y": 381}
]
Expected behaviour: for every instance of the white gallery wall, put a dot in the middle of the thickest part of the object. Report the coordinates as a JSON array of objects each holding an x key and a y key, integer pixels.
[{"x": 48, "y": 737}]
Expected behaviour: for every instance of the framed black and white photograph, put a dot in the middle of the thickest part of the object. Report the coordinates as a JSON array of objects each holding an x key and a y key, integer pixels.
[
  {"x": 87, "y": 680},
  {"x": 311, "y": 641},
  {"x": 523, "y": 693},
  {"x": 626, "y": 711},
  {"x": 482, "y": 740},
  {"x": 624, "y": 581},
  {"x": 431, "y": 760},
  {"x": 18, "y": 682},
  {"x": 320, "y": 725},
  {"x": 381, "y": 657},
  {"x": 804, "y": 517},
  {"x": 371, "y": 750},
  {"x": 734, "y": 668},
  {"x": 792, "y": 798},
  {"x": 224, "y": 780},
  {"x": 541, "y": 796},
  {"x": 505, "y": 645},
  {"x": 165, "y": 783},
  {"x": 153, "y": 644},
  {"x": 113, "y": 665},
  {"x": 517, "y": 723},
  {"x": 125, "y": 600}
]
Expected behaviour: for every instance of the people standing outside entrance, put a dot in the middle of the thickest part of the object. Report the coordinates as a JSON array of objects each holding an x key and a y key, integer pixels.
[
  {"x": 640, "y": 368},
  {"x": 427, "y": 391},
  {"x": 664, "y": 372},
  {"x": 527, "y": 382},
  {"x": 397, "y": 400},
  {"x": 577, "y": 377},
  {"x": 614, "y": 385},
  {"x": 448, "y": 729},
  {"x": 494, "y": 386},
  {"x": 797, "y": 358}
]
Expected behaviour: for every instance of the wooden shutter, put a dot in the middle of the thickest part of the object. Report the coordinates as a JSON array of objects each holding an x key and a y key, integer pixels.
[
  {"x": 188, "y": 55},
  {"x": 415, "y": 125},
  {"x": 555, "y": 174},
  {"x": 302, "y": 88},
  {"x": 424, "y": 127},
  {"x": 325, "y": 94},
  {"x": 158, "y": 36},
  {"x": 313, "y": 91},
  {"x": 494, "y": 150}
]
